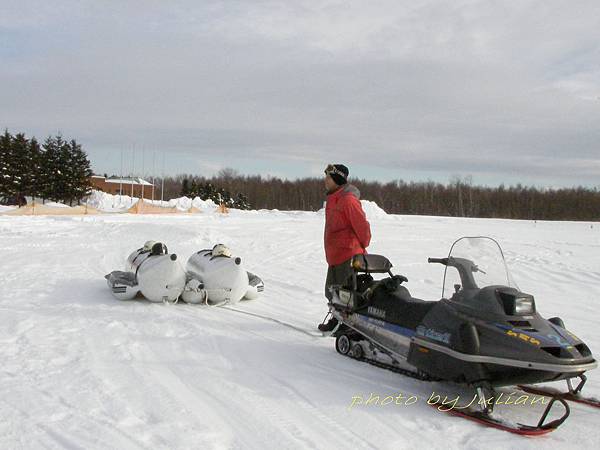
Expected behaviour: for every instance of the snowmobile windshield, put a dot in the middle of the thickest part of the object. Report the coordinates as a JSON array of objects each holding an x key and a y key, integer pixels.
[{"x": 475, "y": 262}]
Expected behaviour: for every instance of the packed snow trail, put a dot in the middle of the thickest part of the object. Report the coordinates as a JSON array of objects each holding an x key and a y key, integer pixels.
[{"x": 83, "y": 370}]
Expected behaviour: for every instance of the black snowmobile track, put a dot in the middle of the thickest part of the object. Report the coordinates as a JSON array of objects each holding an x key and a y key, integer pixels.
[
  {"x": 392, "y": 368},
  {"x": 421, "y": 376}
]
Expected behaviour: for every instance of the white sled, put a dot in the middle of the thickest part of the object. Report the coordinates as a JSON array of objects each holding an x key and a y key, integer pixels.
[
  {"x": 151, "y": 271},
  {"x": 216, "y": 277}
]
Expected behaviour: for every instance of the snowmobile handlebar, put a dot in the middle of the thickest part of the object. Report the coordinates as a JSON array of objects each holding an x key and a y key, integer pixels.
[{"x": 443, "y": 261}]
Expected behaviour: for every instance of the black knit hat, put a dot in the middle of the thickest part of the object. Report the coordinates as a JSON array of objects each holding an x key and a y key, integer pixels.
[{"x": 338, "y": 173}]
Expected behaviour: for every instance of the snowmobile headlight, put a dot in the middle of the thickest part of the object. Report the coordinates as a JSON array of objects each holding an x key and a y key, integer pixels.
[
  {"x": 524, "y": 305},
  {"x": 516, "y": 303}
]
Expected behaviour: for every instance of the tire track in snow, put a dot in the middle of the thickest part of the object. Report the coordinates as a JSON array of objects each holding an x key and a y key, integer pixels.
[
  {"x": 326, "y": 372},
  {"x": 178, "y": 386},
  {"x": 276, "y": 417}
]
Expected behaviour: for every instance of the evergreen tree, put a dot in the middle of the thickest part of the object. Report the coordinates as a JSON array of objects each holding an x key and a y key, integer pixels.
[
  {"x": 195, "y": 189},
  {"x": 241, "y": 202},
  {"x": 35, "y": 164},
  {"x": 206, "y": 191},
  {"x": 222, "y": 196},
  {"x": 50, "y": 183},
  {"x": 17, "y": 169},
  {"x": 79, "y": 173},
  {"x": 185, "y": 188},
  {"x": 5, "y": 153},
  {"x": 58, "y": 170},
  {"x": 65, "y": 170}
]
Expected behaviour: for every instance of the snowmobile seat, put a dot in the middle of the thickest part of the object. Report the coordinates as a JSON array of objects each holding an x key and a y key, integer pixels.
[
  {"x": 371, "y": 264},
  {"x": 401, "y": 307}
]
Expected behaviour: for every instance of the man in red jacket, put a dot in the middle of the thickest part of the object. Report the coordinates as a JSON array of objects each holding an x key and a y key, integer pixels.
[{"x": 347, "y": 231}]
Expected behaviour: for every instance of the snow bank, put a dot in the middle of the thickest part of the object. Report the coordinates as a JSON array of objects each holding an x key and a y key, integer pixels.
[
  {"x": 45, "y": 210},
  {"x": 105, "y": 202},
  {"x": 185, "y": 203},
  {"x": 110, "y": 203},
  {"x": 371, "y": 209},
  {"x": 55, "y": 205},
  {"x": 121, "y": 203}
]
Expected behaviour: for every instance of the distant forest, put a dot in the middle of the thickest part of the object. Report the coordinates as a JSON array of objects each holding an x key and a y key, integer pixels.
[
  {"x": 457, "y": 198},
  {"x": 59, "y": 170}
]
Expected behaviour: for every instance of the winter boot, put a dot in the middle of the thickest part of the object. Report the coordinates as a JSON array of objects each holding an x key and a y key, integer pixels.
[{"x": 329, "y": 326}]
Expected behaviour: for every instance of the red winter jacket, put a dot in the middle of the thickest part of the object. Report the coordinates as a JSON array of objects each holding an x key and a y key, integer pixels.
[{"x": 347, "y": 231}]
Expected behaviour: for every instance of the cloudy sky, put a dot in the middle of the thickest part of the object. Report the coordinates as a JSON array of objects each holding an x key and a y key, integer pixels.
[{"x": 500, "y": 91}]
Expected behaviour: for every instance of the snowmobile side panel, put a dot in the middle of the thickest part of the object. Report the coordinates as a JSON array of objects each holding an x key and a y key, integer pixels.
[{"x": 532, "y": 365}]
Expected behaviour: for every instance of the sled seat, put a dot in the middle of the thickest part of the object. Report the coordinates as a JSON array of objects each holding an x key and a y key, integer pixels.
[
  {"x": 118, "y": 277},
  {"x": 123, "y": 285}
]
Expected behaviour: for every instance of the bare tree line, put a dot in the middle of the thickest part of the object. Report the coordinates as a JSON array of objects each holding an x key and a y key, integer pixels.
[{"x": 457, "y": 198}]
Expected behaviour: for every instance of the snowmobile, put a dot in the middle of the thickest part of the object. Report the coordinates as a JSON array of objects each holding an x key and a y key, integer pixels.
[{"x": 484, "y": 332}]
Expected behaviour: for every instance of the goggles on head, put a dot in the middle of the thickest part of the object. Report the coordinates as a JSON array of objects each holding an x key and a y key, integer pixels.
[{"x": 332, "y": 169}]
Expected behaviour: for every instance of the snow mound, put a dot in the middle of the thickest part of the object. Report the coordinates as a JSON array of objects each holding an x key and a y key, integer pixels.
[
  {"x": 121, "y": 203},
  {"x": 371, "y": 209},
  {"x": 56, "y": 205},
  {"x": 185, "y": 203},
  {"x": 110, "y": 203}
]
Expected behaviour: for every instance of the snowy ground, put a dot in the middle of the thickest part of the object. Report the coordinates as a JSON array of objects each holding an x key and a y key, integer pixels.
[{"x": 83, "y": 370}]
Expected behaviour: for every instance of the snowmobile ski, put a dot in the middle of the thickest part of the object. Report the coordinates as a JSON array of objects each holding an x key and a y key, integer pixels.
[
  {"x": 569, "y": 396},
  {"x": 348, "y": 343},
  {"x": 516, "y": 428}
]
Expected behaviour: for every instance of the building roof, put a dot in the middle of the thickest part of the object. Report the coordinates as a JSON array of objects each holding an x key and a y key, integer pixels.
[
  {"x": 115, "y": 180},
  {"x": 128, "y": 181},
  {"x": 135, "y": 180}
]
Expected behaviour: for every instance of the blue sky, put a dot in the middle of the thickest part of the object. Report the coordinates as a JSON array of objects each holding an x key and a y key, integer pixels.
[{"x": 504, "y": 92}]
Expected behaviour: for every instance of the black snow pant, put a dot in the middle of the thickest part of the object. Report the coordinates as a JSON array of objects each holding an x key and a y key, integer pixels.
[{"x": 338, "y": 275}]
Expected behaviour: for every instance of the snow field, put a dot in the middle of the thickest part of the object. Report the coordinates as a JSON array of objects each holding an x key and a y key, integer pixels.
[{"x": 83, "y": 370}]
